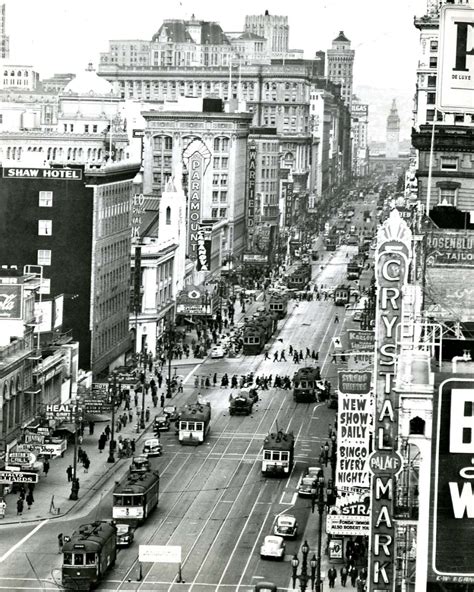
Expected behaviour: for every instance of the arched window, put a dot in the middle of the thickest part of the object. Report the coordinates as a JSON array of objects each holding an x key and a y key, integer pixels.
[
  {"x": 417, "y": 426},
  {"x": 18, "y": 73},
  {"x": 12, "y": 387},
  {"x": 168, "y": 215}
]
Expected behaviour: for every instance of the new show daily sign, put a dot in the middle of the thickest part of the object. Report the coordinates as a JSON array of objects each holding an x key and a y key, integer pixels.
[{"x": 392, "y": 263}]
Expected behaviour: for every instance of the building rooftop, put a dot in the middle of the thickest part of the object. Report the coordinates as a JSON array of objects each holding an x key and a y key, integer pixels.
[{"x": 341, "y": 37}]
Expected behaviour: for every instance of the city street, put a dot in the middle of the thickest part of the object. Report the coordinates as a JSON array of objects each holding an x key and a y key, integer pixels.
[{"x": 214, "y": 502}]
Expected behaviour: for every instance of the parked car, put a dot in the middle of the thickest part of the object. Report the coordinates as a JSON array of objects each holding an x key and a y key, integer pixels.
[
  {"x": 217, "y": 351},
  {"x": 315, "y": 472},
  {"x": 152, "y": 447},
  {"x": 171, "y": 412},
  {"x": 306, "y": 486},
  {"x": 286, "y": 526},
  {"x": 273, "y": 547},
  {"x": 125, "y": 535}
]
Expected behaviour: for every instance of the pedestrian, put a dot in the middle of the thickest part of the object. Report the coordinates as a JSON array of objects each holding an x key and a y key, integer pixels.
[
  {"x": 132, "y": 445},
  {"x": 22, "y": 491},
  {"x": 29, "y": 500},
  {"x": 86, "y": 463},
  {"x": 80, "y": 454},
  {"x": 3, "y": 508},
  {"x": 332, "y": 575},
  {"x": 69, "y": 473},
  {"x": 214, "y": 379},
  {"x": 275, "y": 357},
  {"x": 46, "y": 467},
  {"x": 354, "y": 573},
  {"x": 267, "y": 357},
  {"x": 107, "y": 431},
  {"x": 147, "y": 414},
  {"x": 102, "y": 440},
  {"x": 336, "y": 319},
  {"x": 282, "y": 356},
  {"x": 19, "y": 506},
  {"x": 162, "y": 401},
  {"x": 60, "y": 542},
  {"x": 343, "y": 573}
]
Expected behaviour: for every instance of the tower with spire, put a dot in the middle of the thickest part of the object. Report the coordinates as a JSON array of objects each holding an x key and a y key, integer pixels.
[
  {"x": 392, "y": 146},
  {"x": 340, "y": 65}
]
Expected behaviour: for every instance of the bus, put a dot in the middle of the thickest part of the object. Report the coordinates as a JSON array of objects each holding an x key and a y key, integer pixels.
[
  {"x": 87, "y": 554},
  {"x": 194, "y": 423},
  {"x": 278, "y": 454},
  {"x": 135, "y": 496},
  {"x": 305, "y": 388}
]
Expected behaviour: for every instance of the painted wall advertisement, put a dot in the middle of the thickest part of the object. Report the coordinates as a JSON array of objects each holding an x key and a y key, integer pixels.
[
  {"x": 450, "y": 290},
  {"x": 252, "y": 167},
  {"x": 391, "y": 272},
  {"x": 204, "y": 241},
  {"x": 451, "y": 557}
]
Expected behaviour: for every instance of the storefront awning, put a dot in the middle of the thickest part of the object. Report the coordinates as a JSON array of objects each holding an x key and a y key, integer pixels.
[
  {"x": 96, "y": 417},
  {"x": 66, "y": 427}
]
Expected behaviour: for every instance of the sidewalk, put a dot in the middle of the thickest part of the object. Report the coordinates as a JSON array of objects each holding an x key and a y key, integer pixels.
[{"x": 51, "y": 493}]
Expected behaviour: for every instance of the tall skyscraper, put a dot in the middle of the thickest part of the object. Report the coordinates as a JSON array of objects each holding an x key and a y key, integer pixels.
[
  {"x": 340, "y": 64},
  {"x": 392, "y": 147},
  {"x": 4, "y": 39},
  {"x": 273, "y": 28}
]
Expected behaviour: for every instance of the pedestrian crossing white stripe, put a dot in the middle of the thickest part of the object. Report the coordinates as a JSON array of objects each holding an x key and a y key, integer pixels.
[{"x": 23, "y": 540}]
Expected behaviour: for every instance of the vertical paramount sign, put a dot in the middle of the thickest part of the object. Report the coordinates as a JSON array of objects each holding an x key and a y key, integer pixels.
[
  {"x": 196, "y": 168},
  {"x": 392, "y": 263}
]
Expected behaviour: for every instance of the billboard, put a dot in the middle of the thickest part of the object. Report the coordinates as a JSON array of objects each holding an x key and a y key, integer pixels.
[
  {"x": 354, "y": 382},
  {"x": 251, "y": 181},
  {"x": 449, "y": 288},
  {"x": 455, "y": 91},
  {"x": 361, "y": 340},
  {"x": 393, "y": 255},
  {"x": 451, "y": 557},
  {"x": 11, "y": 301},
  {"x": 35, "y": 173}
]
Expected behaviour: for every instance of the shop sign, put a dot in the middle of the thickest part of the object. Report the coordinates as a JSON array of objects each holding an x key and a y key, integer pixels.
[
  {"x": 354, "y": 382},
  {"x": 30, "y": 173},
  {"x": 336, "y": 547},
  {"x": 450, "y": 248},
  {"x": 455, "y": 59},
  {"x": 196, "y": 171},
  {"x": 251, "y": 181},
  {"x": 33, "y": 437},
  {"x": 48, "y": 448},
  {"x": 451, "y": 557},
  {"x": 392, "y": 262},
  {"x": 59, "y": 411},
  {"x": 254, "y": 258},
  {"x": 138, "y": 209},
  {"x": 21, "y": 458},
  {"x": 18, "y": 477},
  {"x": 289, "y": 203},
  {"x": 354, "y": 425},
  {"x": 361, "y": 340},
  {"x": 340, "y": 524},
  {"x": 11, "y": 301},
  {"x": 204, "y": 241}
]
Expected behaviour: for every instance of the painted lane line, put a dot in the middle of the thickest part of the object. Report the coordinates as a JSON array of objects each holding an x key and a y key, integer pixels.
[{"x": 23, "y": 540}]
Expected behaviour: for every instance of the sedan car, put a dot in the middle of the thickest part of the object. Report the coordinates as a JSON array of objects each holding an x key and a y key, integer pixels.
[
  {"x": 161, "y": 423},
  {"x": 286, "y": 526},
  {"x": 313, "y": 472},
  {"x": 125, "y": 535},
  {"x": 306, "y": 486},
  {"x": 217, "y": 351},
  {"x": 152, "y": 447},
  {"x": 273, "y": 547}
]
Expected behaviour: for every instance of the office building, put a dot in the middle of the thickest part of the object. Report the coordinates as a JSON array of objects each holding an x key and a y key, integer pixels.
[{"x": 340, "y": 66}]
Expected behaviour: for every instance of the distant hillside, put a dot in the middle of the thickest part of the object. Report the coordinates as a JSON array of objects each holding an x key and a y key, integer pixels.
[{"x": 380, "y": 101}]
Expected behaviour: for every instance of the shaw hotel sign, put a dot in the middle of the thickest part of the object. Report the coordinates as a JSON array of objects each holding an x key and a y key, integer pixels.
[{"x": 392, "y": 264}]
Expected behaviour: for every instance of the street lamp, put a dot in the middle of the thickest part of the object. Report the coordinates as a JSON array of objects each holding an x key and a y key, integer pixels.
[
  {"x": 113, "y": 384},
  {"x": 303, "y": 576},
  {"x": 74, "y": 495}
]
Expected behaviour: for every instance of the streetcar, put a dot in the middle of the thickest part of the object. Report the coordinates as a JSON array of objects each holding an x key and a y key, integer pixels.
[
  {"x": 87, "y": 554},
  {"x": 353, "y": 270},
  {"x": 342, "y": 295},
  {"x": 331, "y": 244},
  {"x": 299, "y": 277},
  {"x": 254, "y": 338},
  {"x": 194, "y": 423},
  {"x": 278, "y": 453},
  {"x": 135, "y": 496},
  {"x": 278, "y": 304},
  {"x": 305, "y": 389}
]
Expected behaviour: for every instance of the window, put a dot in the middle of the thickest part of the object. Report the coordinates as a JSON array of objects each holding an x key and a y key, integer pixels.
[
  {"x": 215, "y": 196},
  {"x": 223, "y": 179},
  {"x": 45, "y": 227},
  {"x": 223, "y": 196},
  {"x": 430, "y": 113},
  {"x": 168, "y": 215},
  {"x": 45, "y": 199},
  {"x": 45, "y": 286},
  {"x": 94, "y": 129},
  {"x": 431, "y": 98},
  {"x": 86, "y": 128},
  {"x": 449, "y": 163},
  {"x": 44, "y": 257},
  {"x": 447, "y": 196},
  {"x": 214, "y": 213},
  {"x": 78, "y": 559},
  {"x": 432, "y": 81},
  {"x": 434, "y": 45},
  {"x": 433, "y": 62},
  {"x": 223, "y": 212}
]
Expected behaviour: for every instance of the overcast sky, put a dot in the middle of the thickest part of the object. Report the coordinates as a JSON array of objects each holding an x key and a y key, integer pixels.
[{"x": 64, "y": 35}]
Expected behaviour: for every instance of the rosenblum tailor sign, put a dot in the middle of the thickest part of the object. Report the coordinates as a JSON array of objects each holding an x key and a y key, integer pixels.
[
  {"x": 392, "y": 263},
  {"x": 451, "y": 557}
]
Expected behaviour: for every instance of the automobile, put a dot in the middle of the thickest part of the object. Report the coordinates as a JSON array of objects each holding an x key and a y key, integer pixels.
[
  {"x": 314, "y": 472},
  {"x": 273, "y": 547},
  {"x": 152, "y": 447},
  {"x": 217, "y": 351},
  {"x": 306, "y": 486},
  {"x": 161, "y": 423},
  {"x": 171, "y": 412},
  {"x": 286, "y": 526},
  {"x": 140, "y": 464},
  {"x": 125, "y": 535},
  {"x": 251, "y": 392}
]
